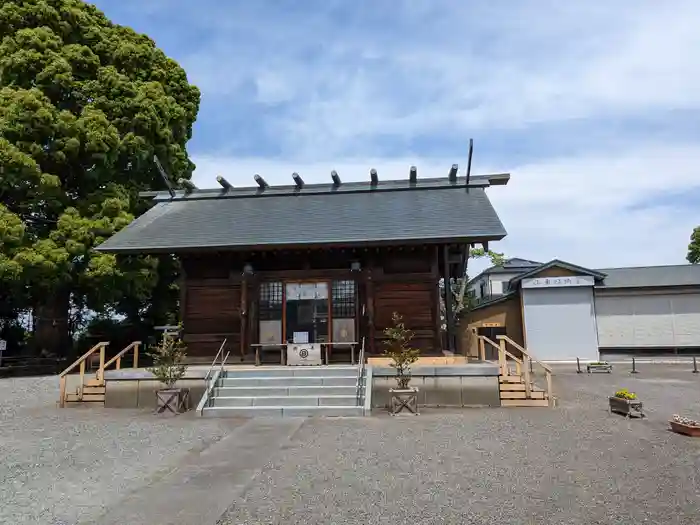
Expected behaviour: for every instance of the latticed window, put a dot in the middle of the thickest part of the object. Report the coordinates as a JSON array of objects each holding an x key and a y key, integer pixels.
[
  {"x": 270, "y": 301},
  {"x": 343, "y": 299}
]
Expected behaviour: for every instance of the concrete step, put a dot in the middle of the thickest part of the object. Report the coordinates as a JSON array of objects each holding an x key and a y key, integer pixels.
[
  {"x": 291, "y": 371},
  {"x": 284, "y": 401},
  {"x": 288, "y": 411},
  {"x": 253, "y": 391},
  {"x": 289, "y": 381}
]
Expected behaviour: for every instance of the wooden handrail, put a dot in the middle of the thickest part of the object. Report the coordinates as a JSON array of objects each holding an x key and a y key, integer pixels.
[
  {"x": 497, "y": 347},
  {"x": 525, "y": 352},
  {"x": 118, "y": 358},
  {"x": 527, "y": 358},
  {"x": 83, "y": 357},
  {"x": 81, "y": 361}
]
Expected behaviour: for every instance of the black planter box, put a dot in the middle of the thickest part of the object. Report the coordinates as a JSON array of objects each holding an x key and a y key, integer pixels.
[{"x": 599, "y": 368}]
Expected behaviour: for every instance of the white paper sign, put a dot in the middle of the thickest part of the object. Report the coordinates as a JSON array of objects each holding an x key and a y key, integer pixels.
[
  {"x": 306, "y": 291},
  {"x": 3, "y": 345},
  {"x": 301, "y": 337}
]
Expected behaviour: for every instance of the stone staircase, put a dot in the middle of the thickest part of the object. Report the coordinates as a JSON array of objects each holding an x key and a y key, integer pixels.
[{"x": 285, "y": 391}]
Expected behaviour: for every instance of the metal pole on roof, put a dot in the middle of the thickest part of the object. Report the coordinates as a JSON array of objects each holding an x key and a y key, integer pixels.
[{"x": 469, "y": 161}]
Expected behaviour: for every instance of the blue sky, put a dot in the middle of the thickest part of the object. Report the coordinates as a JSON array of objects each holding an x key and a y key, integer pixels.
[{"x": 593, "y": 107}]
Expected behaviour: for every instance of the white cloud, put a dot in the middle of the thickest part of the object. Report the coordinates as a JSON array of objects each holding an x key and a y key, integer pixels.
[
  {"x": 457, "y": 69},
  {"x": 458, "y": 66}
]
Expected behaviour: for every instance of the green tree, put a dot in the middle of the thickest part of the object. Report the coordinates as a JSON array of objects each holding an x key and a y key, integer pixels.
[
  {"x": 84, "y": 106},
  {"x": 693, "y": 256}
]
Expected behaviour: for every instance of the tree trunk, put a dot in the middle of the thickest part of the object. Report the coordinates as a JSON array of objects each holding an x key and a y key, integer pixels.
[{"x": 51, "y": 326}]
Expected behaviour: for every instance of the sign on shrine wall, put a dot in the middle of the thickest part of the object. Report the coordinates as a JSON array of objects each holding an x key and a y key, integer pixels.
[{"x": 557, "y": 282}]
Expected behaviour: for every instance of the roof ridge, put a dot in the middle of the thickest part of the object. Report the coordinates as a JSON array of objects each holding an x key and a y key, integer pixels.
[
  {"x": 648, "y": 266},
  {"x": 330, "y": 188}
]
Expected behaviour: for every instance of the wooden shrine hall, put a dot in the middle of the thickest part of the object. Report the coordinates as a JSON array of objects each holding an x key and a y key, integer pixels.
[{"x": 266, "y": 266}]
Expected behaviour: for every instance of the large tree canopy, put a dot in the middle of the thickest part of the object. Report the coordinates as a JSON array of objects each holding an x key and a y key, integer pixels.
[{"x": 84, "y": 106}]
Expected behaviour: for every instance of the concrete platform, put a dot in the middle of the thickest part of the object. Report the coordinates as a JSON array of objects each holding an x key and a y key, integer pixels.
[{"x": 458, "y": 385}]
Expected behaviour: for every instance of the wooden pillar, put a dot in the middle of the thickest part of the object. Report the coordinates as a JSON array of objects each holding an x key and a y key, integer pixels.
[
  {"x": 435, "y": 271},
  {"x": 254, "y": 297},
  {"x": 448, "y": 298},
  {"x": 369, "y": 288},
  {"x": 244, "y": 316}
]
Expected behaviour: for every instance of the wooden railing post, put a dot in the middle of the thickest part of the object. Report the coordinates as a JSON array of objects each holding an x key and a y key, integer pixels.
[
  {"x": 502, "y": 363},
  {"x": 526, "y": 374},
  {"x": 136, "y": 355},
  {"x": 482, "y": 349},
  {"x": 548, "y": 374},
  {"x": 82, "y": 380},
  {"x": 101, "y": 372},
  {"x": 62, "y": 391}
]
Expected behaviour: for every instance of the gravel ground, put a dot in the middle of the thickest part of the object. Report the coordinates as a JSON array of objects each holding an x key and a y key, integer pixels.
[
  {"x": 59, "y": 466},
  {"x": 576, "y": 464}
]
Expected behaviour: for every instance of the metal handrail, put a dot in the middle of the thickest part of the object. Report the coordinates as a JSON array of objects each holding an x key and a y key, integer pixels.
[
  {"x": 223, "y": 361},
  {"x": 360, "y": 372},
  {"x": 213, "y": 363}
]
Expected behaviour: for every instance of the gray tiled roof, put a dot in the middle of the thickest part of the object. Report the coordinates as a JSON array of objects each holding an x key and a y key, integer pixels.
[
  {"x": 514, "y": 264},
  {"x": 647, "y": 276},
  {"x": 393, "y": 211}
]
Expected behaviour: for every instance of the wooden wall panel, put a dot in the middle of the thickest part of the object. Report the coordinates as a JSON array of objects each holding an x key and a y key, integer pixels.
[
  {"x": 212, "y": 313},
  {"x": 414, "y": 302}
]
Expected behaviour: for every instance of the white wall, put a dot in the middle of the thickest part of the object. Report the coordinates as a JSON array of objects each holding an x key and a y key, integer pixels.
[
  {"x": 638, "y": 319},
  {"x": 499, "y": 282}
]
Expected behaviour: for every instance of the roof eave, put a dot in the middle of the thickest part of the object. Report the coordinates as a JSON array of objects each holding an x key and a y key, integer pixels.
[{"x": 283, "y": 246}]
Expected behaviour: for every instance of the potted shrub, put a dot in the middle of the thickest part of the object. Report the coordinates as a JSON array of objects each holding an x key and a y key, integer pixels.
[
  {"x": 398, "y": 349},
  {"x": 599, "y": 366},
  {"x": 626, "y": 403},
  {"x": 168, "y": 368},
  {"x": 684, "y": 425}
]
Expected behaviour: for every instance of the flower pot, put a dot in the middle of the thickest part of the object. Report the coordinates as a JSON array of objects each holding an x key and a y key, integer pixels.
[
  {"x": 172, "y": 400},
  {"x": 627, "y": 407},
  {"x": 687, "y": 430},
  {"x": 404, "y": 398}
]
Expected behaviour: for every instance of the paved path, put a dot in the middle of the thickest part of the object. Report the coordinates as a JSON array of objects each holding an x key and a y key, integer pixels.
[{"x": 202, "y": 486}]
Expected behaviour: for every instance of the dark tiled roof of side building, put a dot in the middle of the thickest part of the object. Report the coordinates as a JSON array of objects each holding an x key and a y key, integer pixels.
[
  {"x": 427, "y": 210},
  {"x": 651, "y": 276}
]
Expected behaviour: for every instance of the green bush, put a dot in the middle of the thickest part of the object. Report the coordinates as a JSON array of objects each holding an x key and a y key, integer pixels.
[
  {"x": 168, "y": 360},
  {"x": 398, "y": 338}
]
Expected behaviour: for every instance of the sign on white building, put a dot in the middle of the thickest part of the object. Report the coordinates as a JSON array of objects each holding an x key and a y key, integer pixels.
[{"x": 555, "y": 282}]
